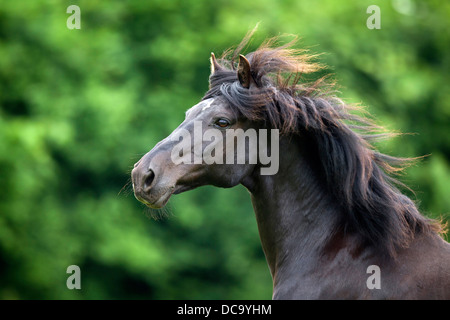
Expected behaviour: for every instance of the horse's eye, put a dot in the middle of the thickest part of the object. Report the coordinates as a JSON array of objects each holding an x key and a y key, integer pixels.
[{"x": 222, "y": 123}]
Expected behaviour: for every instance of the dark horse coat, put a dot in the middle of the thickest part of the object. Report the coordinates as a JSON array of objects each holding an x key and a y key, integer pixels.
[{"x": 331, "y": 220}]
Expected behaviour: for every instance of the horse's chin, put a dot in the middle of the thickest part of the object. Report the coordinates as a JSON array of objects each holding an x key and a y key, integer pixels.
[
  {"x": 157, "y": 203},
  {"x": 163, "y": 199}
]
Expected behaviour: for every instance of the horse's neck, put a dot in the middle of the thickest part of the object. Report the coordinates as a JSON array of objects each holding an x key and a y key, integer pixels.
[{"x": 295, "y": 214}]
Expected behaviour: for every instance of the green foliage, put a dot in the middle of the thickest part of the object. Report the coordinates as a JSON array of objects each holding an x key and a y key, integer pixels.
[{"x": 79, "y": 107}]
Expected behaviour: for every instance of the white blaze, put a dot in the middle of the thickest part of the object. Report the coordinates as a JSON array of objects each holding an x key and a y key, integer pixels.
[{"x": 208, "y": 104}]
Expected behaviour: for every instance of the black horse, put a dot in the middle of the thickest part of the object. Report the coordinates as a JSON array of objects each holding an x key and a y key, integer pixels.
[{"x": 331, "y": 219}]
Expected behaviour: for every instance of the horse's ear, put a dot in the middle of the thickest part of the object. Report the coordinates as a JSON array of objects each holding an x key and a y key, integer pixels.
[
  {"x": 214, "y": 65},
  {"x": 243, "y": 72}
]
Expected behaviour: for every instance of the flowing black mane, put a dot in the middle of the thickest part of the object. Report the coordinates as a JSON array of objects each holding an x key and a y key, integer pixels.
[{"x": 357, "y": 175}]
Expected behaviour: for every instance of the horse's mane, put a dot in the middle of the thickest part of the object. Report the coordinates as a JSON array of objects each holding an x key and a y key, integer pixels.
[{"x": 357, "y": 175}]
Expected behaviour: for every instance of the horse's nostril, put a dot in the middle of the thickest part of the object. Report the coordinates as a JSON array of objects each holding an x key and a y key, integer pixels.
[{"x": 149, "y": 179}]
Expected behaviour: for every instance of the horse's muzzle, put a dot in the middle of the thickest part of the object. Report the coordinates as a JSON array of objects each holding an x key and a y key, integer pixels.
[{"x": 147, "y": 189}]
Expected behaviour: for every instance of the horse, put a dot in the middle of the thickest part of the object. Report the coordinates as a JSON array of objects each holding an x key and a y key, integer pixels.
[{"x": 332, "y": 220}]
